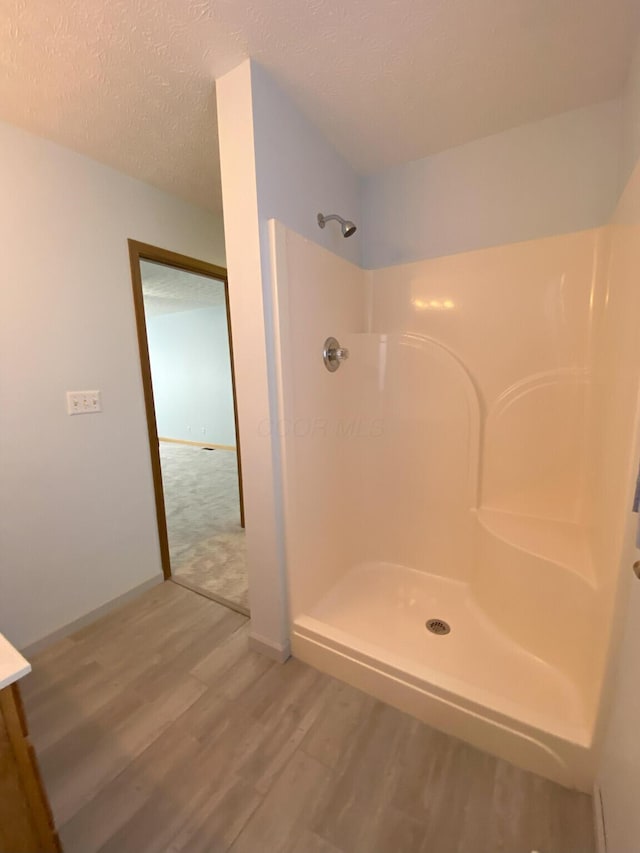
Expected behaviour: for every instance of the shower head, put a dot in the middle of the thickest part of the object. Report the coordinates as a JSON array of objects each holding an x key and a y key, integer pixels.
[{"x": 348, "y": 228}]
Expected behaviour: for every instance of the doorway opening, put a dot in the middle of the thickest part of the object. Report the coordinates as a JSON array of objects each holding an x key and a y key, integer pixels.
[{"x": 186, "y": 358}]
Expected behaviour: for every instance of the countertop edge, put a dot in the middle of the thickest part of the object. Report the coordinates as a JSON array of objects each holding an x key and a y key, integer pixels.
[{"x": 13, "y": 666}]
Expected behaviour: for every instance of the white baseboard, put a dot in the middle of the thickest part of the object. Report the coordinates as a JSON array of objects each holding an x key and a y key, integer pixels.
[
  {"x": 91, "y": 616},
  {"x": 279, "y": 652},
  {"x": 598, "y": 821}
]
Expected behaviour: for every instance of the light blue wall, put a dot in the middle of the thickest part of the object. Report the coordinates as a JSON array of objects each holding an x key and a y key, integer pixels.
[
  {"x": 298, "y": 172},
  {"x": 554, "y": 176},
  {"x": 191, "y": 373},
  {"x": 631, "y": 121},
  {"x": 93, "y": 475},
  {"x": 549, "y": 177}
]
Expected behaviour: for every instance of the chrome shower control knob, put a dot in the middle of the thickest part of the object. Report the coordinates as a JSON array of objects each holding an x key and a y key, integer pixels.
[{"x": 333, "y": 354}]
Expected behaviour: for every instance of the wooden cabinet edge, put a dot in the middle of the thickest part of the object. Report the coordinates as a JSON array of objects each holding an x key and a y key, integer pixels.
[{"x": 15, "y": 722}]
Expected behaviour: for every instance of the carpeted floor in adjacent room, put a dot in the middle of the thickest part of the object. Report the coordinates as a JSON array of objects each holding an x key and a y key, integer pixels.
[{"x": 206, "y": 542}]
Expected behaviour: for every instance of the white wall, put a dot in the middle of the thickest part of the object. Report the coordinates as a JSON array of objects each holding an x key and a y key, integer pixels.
[
  {"x": 191, "y": 372},
  {"x": 630, "y": 122},
  {"x": 619, "y": 772},
  {"x": 617, "y": 526},
  {"x": 274, "y": 164},
  {"x": 549, "y": 177},
  {"x": 299, "y": 174},
  {"x": 619, "y": 775},
  {"x": 77, "y": 524}
]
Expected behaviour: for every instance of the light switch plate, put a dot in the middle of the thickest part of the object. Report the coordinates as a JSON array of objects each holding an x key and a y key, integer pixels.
[{"x": 83, "y": 402}]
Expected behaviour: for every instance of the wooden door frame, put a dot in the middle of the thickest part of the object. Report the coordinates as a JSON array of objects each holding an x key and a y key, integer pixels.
[{"x": 145, "y": 252}]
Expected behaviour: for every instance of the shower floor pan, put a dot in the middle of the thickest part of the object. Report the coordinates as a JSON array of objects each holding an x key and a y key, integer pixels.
[{"x": 473, "y": 682}]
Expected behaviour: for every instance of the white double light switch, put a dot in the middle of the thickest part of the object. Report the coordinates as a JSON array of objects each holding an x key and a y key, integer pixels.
[{"x": 83, "y": 402}]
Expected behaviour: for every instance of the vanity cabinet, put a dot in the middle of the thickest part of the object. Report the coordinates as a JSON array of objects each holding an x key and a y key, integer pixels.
[{"x": 26, "y": 821}]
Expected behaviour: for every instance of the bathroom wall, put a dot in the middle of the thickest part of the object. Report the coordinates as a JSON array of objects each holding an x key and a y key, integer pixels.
[
  {"x": 274, "y": 163},
  {"x": 77, "y": 513},
  {"x": 617, "y": 405},
  {"x": 549, "y": 177},
  {"x": 618, "y": 780},
  {"x": 191, "y": 372},
  {"x": 630, "y": 148},
  {"x": 299, "y": 174}
]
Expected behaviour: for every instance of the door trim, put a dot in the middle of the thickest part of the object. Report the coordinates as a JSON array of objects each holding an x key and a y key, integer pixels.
[{"x": 145, "y": 252}]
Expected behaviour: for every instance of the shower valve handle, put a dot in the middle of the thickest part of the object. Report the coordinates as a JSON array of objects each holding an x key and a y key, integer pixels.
[{"x": 333, "y": 354}]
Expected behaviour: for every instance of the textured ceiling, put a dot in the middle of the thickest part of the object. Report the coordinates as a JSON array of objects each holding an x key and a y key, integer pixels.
[
  {"x": 167, "y": 290},
  {"x": 130, "y": 82}
]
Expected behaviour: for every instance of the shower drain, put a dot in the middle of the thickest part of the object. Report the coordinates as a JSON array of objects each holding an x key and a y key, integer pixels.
[{"x": 438, "y": 626}]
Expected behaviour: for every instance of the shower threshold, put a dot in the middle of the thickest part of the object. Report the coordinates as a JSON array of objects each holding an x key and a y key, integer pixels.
[{"x": 473, "y": 681}]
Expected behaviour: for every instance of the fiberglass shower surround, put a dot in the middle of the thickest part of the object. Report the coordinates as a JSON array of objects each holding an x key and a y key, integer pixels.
[{"x": 443, "y": 477}]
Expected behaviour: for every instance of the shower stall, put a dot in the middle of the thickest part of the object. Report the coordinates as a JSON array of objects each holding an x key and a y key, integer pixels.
[{"x": 443, "y": 506}]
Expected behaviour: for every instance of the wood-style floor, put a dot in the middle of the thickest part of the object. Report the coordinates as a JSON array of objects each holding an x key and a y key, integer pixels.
[{"x": 158, "y": 730}]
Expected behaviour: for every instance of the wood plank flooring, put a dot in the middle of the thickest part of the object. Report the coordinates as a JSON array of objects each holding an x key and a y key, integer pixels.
[{"x": 158, "y": 730}]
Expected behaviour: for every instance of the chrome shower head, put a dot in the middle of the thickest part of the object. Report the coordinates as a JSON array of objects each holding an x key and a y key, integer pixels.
[{"x": 348, "y": 227}]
